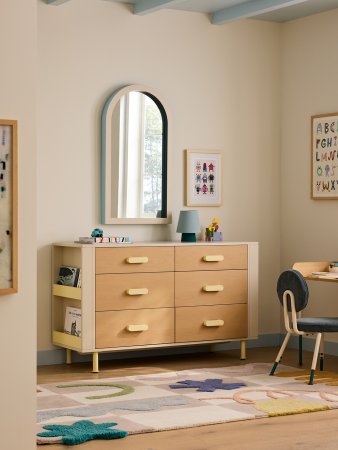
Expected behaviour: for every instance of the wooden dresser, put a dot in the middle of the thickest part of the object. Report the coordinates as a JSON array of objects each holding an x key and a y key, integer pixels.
[{"x": 161, "y": 294}]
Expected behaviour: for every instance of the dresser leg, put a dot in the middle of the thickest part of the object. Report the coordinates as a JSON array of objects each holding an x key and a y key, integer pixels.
[
  {"x": 243, "y": 349},
  {"x": 68, "y": 356},
  {"x": 95, "y": 362},
  {"x": 212, "y": 348}
]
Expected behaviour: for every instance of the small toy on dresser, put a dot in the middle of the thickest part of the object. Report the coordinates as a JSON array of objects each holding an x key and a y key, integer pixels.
[{"x": 212, "y": 233}]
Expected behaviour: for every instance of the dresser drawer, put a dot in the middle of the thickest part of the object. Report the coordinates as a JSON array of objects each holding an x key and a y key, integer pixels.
[
  {"x": 207, "y": 323},
  {"x": 134, "y": 327},
  {"x": 219, "y": 287},
  {"x": 211, "y": 257},
  {"x": 134, "y": 291},
  {"x": 134, "y": 259}
]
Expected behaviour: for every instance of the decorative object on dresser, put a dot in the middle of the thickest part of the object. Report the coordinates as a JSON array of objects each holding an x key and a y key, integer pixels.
[
  {"x": 8, "y": 207},
  {"x": 212, "y": 233},
  {"x": 188, "y": 225},
  {"x": 161, "y": 294}
]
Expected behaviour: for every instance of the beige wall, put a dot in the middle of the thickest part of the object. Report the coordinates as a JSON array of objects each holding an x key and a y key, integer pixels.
[
  {"x": 309, "y": 227},
  {"x": 223, "y": 88},
  {"x": 18, "y": 311}
]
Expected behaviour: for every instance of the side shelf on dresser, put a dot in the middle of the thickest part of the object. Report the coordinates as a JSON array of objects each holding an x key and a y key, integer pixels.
[{"x": 161, "y": 294}]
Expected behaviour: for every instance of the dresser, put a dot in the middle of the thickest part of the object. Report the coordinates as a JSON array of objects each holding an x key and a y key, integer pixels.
[{"x": 159, "y": 294}]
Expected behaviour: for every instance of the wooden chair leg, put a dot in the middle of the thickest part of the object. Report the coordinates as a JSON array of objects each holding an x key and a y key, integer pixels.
[
  {"x": 315, "y": 357},
  {"x": 280, "y": 353}
]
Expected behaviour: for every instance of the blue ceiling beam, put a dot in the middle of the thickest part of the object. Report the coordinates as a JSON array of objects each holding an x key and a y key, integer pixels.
[
  {"x": 149, "y": 6},
  {"x": 56, "y": 2},
  {"x": 251, "y": 9}
]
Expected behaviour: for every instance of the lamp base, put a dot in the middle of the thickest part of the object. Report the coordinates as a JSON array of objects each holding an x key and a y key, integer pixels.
[{"x": 188, "y": 237}]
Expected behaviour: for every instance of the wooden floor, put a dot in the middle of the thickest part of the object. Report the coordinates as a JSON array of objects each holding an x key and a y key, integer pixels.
[{"x": 312, "y": 431}]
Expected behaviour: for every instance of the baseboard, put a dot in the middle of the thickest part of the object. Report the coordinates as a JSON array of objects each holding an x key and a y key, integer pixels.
[
  {"x": 330, "y": 348},
  {"x": 58, "y": 356}
]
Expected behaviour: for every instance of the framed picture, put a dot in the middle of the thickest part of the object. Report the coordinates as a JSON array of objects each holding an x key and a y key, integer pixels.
[
  {"x": 324, "y": 156},
  {"x": 8, "y": 207},
  {"x": 204, "y": 185}
]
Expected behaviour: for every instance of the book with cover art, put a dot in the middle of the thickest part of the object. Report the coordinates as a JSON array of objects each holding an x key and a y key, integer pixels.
[
  {"x": 69, "y": 276},
  {"x": 73, "y": 321}
]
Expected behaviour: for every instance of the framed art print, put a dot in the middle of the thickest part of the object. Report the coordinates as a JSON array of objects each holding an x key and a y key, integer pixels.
[
  {"x": 203, "y": 177},
  {"x": 324, "y": 156},
  {"x": 8, "y": 207}
]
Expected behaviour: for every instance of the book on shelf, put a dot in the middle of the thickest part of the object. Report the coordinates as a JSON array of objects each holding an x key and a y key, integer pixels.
[
  {"x": 69, "y": 276},
  {"x": 72, "y": 323}
]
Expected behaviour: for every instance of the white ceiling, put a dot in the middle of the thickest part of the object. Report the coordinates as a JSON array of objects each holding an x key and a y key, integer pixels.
[{"x": 222, "y": 11}]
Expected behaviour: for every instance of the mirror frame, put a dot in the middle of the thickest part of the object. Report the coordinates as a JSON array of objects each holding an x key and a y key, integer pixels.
[{"x": 106, "y": 157}]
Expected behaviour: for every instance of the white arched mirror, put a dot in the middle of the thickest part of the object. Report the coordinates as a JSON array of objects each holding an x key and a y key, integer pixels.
[{"x": 135, "y": 158}]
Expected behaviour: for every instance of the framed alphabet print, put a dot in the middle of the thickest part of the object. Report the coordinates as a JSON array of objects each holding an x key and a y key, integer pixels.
[
  {"x": 8, "y": 207},
  {"x": 203, "y": 176},
  {"x": 324, "y": 156}
]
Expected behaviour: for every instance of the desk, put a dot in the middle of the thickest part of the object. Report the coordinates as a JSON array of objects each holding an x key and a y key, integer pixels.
[{"x": 307, "y": 268}]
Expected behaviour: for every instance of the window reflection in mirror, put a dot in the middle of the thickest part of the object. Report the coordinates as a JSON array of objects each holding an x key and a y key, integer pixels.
[
  {"x": 137, "y": 145},
  {"x": 134, "y": 158}
]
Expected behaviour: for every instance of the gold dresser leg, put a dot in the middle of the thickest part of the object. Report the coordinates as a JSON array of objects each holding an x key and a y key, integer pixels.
[
  {"x": 68, "y": 356},
  {"x": 95, "y": 362},
  {"x": 243, "y": 349}
]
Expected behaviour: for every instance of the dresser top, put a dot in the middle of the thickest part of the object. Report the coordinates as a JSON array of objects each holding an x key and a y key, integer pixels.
[{"x": 153, "y": 244}]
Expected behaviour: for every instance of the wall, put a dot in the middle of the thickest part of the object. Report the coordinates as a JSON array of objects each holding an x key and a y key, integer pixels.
[
  {"x": 222, "y": 84},
  {"x": 18, "y": 311},
  {"x": 309, "y": 227}
]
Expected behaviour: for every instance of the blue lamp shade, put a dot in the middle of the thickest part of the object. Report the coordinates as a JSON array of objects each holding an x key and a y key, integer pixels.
[{"x": 188, "y": 225}]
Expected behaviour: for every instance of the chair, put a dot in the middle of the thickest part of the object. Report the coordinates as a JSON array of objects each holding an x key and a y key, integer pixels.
[{"x": 293, "y": 294}]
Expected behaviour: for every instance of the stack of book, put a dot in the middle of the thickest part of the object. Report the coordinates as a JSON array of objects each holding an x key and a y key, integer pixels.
[
  {"x": 104, "y": 240},
  {"x": 72, "y": 323},
  {"x": 69, "y": 276}
]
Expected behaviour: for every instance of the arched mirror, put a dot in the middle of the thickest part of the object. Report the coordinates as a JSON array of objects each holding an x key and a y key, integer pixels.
[{"x": 135, "y": 158}]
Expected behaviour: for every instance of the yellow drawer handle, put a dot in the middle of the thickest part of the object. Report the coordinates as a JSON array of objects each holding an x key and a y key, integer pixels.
[
  {"x": 141, "y": 327},
  {"x": 137, "y": 259},
  {"x": 213, "y": 258},
  {"x": 213, "y": 323},
  {"x": 213, "y": 288},
  {"x": 139, "y": 291}
]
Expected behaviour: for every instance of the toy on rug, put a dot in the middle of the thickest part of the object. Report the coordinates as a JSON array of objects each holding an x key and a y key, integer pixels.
[
  {"x": 82, "y": 431},
  {"x": 212, "y": 233}
]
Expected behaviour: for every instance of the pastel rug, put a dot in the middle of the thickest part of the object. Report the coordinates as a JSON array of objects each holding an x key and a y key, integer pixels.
[{"x": 187, "y": 398}]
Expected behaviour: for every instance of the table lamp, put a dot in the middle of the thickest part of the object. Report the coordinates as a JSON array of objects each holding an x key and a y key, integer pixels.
[{"x": 188, "y": 225}]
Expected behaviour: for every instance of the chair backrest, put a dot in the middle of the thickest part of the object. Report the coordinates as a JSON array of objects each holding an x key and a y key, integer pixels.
[{"x": 292, "y": 280}]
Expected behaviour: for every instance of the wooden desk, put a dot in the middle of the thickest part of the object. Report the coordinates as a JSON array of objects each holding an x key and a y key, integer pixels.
[{"x": 307, "y": 268}]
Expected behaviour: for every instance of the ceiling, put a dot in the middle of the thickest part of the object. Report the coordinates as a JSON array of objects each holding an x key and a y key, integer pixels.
[{"x": 222, "y": 11}]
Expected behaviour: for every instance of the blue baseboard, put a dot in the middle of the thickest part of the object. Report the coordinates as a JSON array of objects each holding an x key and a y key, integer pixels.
[{"x": 58, "y": 356}]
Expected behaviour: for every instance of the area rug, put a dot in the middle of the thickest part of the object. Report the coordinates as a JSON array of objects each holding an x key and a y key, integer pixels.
[{"x": 187, "y": 398}]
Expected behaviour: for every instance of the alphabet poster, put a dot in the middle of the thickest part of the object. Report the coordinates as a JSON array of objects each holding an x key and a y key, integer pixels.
[{"x": 324, "y": 180}]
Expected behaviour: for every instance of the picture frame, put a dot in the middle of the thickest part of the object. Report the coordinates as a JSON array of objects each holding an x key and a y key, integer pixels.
[
  {"x": 203, "y": 178},
  {"x": 8, "y": 207},
  {"x": 324, "y": 156}
]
